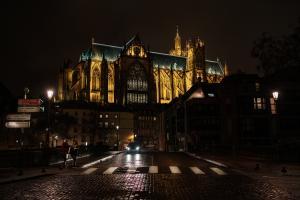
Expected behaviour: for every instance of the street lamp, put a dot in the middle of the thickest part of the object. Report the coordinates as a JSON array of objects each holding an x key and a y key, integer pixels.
[
  {"x": 50, "y": 93},
  {"x": 117, "y": 127},
  {"x": 275, "y": 141},
  {"x": 275, "y": 95}
]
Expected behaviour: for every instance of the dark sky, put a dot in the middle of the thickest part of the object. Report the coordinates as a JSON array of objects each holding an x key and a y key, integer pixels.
[{"x": 39, "y": 35}]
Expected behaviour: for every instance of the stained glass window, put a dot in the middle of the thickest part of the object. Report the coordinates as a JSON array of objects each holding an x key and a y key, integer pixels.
[
  {"x": 137, "y": 85},
  {"x": 96, "y": 79}
]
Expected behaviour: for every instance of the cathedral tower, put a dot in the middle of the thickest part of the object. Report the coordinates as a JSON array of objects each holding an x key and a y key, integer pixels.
[
  {"x": 177, "y": 43},
  {"x": 199, "y": 72},
  {"x": 177, "y": 51}
]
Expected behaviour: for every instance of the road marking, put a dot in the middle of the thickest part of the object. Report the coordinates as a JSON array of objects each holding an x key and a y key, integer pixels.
[
  {"x": 218, "y": 171},
  {"x": 96, "y": 161},
  {"x": 215, "y": 162},
  {"x": 196, "y": 170},
  {"x": 110, "y": 170},
  {"x": 175, "y": 170},
  {"x": 207, "y": 160},
  {"x": 89, "y": 170},
  {"x": 131, "y": 170},
  {"x": 153, "y": 170}
]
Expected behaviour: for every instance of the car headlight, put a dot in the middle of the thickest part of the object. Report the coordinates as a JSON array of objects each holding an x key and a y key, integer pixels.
[{"x": 137, "y": 148}]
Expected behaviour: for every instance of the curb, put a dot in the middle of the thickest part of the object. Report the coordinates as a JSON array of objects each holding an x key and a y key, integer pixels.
[
  {"x": 68, "y": 160},
  {"x": 207, "y": 160}
]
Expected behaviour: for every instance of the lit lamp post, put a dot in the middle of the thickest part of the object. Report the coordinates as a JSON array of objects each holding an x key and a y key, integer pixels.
[
  {"x": 275, "y": 95},
  {"x": 117, "y": 127},
  {"x": 46, "y": 146},
  {"x": 49, "y": 95}
]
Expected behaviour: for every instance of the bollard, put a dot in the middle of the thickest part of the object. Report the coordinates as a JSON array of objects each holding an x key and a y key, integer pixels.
[{"x": 283, "y": 170}]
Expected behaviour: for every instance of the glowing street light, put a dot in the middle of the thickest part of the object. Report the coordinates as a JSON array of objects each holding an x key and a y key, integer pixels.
[
  {"x": 117, "y": 128},
  {"x": 50, "y": 94},
  {"x": 275, "y": 95}
]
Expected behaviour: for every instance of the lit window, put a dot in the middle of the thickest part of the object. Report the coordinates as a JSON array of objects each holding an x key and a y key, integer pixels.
[
  {"x": 273, "y": 106},
  {"x": 106, "y": 124},
  {"x": 116, "y": 116},
  {"x": 100, "y": 116},
  {"x": 106, "y": 115},
  {"x": 257, "y": 87},
  {"x": 154, "y": 118},
  {"x": 137, "y": 85},
  {"x": 259, "y": 103},
  {"x": 211, "y": 94}
]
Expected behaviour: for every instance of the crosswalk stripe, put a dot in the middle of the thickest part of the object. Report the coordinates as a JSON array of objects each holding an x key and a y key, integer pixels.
[
  {"x": 175, "y": 170},
  {"x": 196, "y": 170},
  {"x": 89, "y": 170},
  {"x": 131, "y": 170},
  {"x": 110, "y": 170},
  {"x": 153, "y": 170},
  {"x": 218, "y": 171}
]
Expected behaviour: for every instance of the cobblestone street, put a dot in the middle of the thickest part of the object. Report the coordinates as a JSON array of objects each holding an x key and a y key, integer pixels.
[{"x": 129, "y": 176}]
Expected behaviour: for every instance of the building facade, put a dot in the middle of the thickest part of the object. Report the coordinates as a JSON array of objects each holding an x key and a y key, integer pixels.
[{"x": 132, "y": 74}]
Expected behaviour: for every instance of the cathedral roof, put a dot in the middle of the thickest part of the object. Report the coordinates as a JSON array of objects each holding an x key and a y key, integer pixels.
[
  {"x": 161, "y": 60},
  {"x": 111, "y": 52},
  {"x": 167, "y": 61},
  {"x": 213, "y": 67}
]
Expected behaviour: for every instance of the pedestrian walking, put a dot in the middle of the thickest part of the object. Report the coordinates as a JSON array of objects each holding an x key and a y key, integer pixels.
[
  {"x": 65, "y": 151},
  {"x": 74, "y": 152}
]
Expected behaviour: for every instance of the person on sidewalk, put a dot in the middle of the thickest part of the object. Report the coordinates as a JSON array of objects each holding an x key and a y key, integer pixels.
[
  {"x": 74, "y": 152},
  {"x": 65, "y": 151}
]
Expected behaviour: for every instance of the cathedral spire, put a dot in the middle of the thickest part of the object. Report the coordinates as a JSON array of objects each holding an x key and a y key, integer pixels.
[
  {"x": 177, "y": 31},
  {"x": 177, "y": 43}
]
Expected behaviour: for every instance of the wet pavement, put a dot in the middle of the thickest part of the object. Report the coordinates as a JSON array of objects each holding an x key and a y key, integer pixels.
[{"x": 146, "y": 176}]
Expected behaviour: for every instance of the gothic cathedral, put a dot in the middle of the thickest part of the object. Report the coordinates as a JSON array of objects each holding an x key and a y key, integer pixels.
[{"x": 132, "y": 74}]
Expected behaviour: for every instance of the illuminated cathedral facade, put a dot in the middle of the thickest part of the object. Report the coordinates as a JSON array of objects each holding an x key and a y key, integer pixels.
[{"x": 132, "y": 74}]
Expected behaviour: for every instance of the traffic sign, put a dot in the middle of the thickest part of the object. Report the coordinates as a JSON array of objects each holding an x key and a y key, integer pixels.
[
  {"x": 17, "y": 124},
  {"x": 29, "y": 109},
  {"x": 18, "y": 117},
  {"x": 29, "y": 102}
]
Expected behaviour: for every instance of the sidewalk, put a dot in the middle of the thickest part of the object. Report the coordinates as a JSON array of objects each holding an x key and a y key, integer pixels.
[
  {"x": 255, "y": 166},
  {"x": 267, "y": 170},
  {"x": 9, "y": 175}
]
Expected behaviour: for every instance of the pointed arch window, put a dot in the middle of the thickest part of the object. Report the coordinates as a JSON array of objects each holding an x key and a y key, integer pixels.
[
  {"x": 96, "y": 79},
  {"x": 137, "y": 85}
]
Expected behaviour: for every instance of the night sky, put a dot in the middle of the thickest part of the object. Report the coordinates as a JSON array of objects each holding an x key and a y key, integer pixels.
[{"x": 37, "y": 36}]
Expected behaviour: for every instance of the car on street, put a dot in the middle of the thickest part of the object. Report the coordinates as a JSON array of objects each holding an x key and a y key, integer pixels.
[{"x": 133, "y": 147}]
